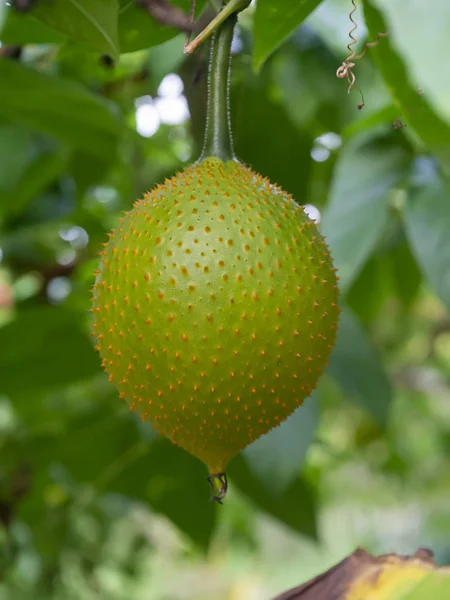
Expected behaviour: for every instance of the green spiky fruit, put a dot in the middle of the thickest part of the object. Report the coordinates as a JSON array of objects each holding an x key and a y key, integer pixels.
[{"x": 215, "y": 308}]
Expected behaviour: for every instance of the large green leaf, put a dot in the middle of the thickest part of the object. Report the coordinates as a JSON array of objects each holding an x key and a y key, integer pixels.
[
  {"x": 92, "y": 22},
  {"x": 15, "y": 148},
  {"x": 2, "y": 15},
  {"x": 421, "y": 59},
  {"x": 427, "y": 221},
  {"x": 274, "y": 22},
  {"x": 105, "y": 450},
  {"x": 57, "y": 107},
  {"x": 357, "y": 209},
  {"x": 38, "y": 174},
  {"x": 138, "y": 30},
  {"x": 22, "y": 28},
  {"x": 415, "y": 108},
  {"x": 276, "y": 458},
  {"x": 296, "y": 506},
  {"x": 387, "y": 274},
  {"x": 174, "y": 484},
  {"x": 44, "y": 348},
  {"x": 110, "y": 453},
  {"x": 356, "y": 367},
  {"x": 267, "y": 140},
  {"x": 405, "y": 273}
]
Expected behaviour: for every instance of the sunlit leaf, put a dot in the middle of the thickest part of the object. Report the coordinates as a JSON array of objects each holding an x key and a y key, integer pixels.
[
  {"x": 399, "y": 578},
  {"x": 415, "y": 107},
  {"x": 387, "y": 577},
  {"x": 422, "y": 60}
]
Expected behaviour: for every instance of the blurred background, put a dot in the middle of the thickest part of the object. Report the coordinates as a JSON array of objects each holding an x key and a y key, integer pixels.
[{"x": 93, "y": 505}]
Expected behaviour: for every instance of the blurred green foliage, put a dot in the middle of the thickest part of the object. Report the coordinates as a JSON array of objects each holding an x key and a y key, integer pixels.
[{"x": 100, "y": 107}]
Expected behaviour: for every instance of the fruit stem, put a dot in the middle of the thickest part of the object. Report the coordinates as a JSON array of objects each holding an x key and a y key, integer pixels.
[
  {"x": 219, "y": 486},
  {"x": 218, "y": 140}
]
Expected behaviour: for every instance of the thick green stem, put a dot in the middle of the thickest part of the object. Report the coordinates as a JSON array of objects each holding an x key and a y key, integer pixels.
[{"x": 218, "y": 139}]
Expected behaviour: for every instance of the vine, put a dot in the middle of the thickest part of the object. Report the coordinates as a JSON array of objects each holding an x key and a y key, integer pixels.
[{"x": 345, "y": 71}]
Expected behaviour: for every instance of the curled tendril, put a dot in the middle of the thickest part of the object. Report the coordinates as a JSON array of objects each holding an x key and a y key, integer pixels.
[{"x": 345, "y": 70}]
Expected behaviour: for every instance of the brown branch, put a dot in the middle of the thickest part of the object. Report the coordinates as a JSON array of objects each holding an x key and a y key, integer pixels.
[
  {"x": 23, "y": 5},
  {"x": 167, "y": 14},
  {"x": 12, "y": 52}
]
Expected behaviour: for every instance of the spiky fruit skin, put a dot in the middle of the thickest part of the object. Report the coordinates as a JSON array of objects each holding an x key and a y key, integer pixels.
[{"x": 215, "y": 308}]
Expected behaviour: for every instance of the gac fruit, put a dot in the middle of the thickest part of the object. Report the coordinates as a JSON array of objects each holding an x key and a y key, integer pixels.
[{"x": 215, "y": 308}]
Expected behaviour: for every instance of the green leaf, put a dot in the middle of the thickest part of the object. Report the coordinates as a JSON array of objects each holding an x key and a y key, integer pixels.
[
  {"x": 39, "y": 174},
  {"x": 91, "y": 22},
  {"x": 108, "y": 451},
  {"x": 166, "y": 58},
  {"x": 421, "y": 59},
  {"x": 274, "y": 22},
  {"x": 15, "y": 145},
  {"x": 2, "y": 15},
  {"x": 369, "y": 290},
  {"x": 56, "y": 351},
  {"x": 174, "y": 484},
  {"x": 389, "y": 274},
  {"x": 295, "y": 506},
  {"x": 427, "y": 222},
  {"x": 405, "y": 274},
  {"x": 276, "y": 458},
  {"x": 59, "y": 108},
  {"x": 356, "y": 367},
  {"x": 110, "y": 455},
  {"x": 21, "y": 28},
  {"x": 138, "y": 30},
  {"x": 267, "y": 140},
  {"x": 357, "y": 209},
  {"x": 415, "y": 108}
]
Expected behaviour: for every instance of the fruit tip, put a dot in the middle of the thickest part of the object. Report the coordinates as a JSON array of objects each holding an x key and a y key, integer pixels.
[{"x": 219, "y": 486}]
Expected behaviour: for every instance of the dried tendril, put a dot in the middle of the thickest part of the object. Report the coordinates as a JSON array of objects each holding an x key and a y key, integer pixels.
[
  {"x": 191, "y": 20},
  {"x": 345, "y": 70}
]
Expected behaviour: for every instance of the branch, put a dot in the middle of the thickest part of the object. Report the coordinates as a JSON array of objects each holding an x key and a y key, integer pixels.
[
  {"x": 12, "y": 52},
  {"x": 22, "y": 5},
  {"x": 167, "y": 14}
]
